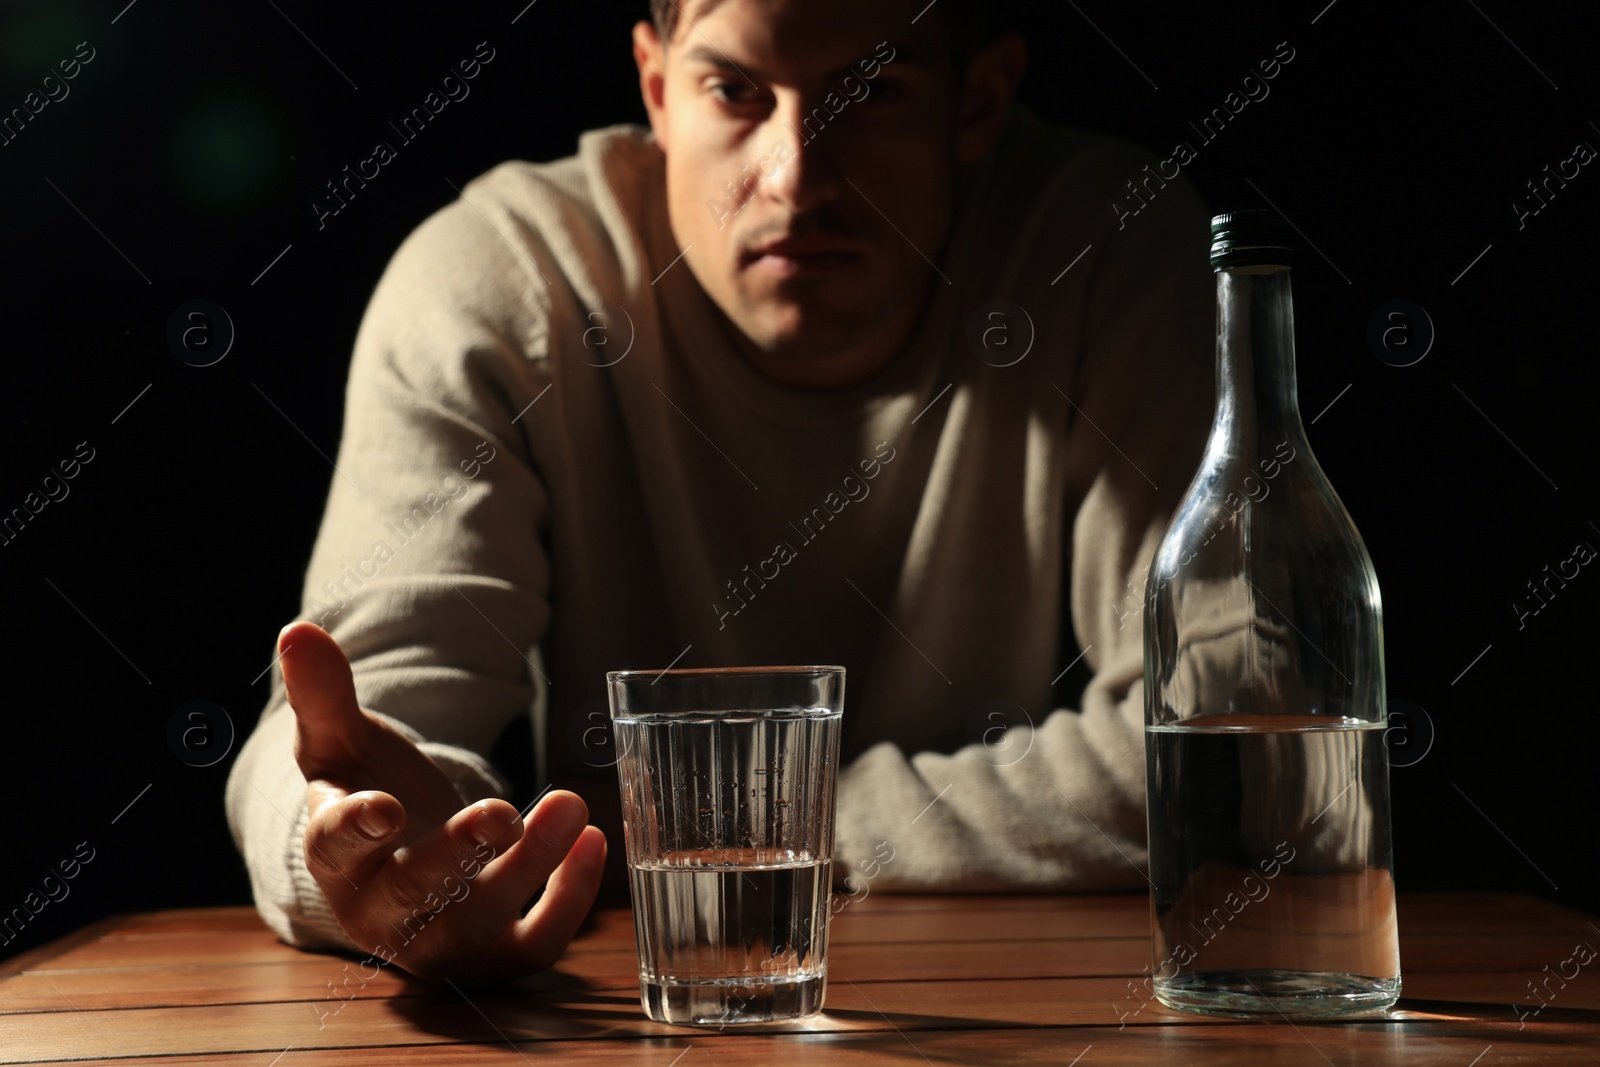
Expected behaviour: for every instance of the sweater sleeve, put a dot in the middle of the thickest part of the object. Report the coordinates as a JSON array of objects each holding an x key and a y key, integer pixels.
[
  {"x": 1060, "y": 804},
  {"x": 428, "y": 567}
]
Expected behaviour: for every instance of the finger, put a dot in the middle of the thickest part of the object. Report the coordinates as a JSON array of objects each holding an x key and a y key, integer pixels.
[
  {"x": 553, "y": 831},
  {"x": 425, "y": 887},
  {"x": 535, "y": 941},
  {"x": 349, "y": 836},
  {"x": 504, "y": 857},
  {"x": 524, "y": 861},
  {"x": 541, "y": 936},
  {"x": 321, "y": 689}
]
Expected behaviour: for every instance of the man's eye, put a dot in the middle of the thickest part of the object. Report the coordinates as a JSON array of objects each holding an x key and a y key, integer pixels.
[{"x": 734, "y": 92}]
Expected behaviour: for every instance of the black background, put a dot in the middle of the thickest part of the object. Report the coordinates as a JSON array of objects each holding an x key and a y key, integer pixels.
[{"x": 199, "y": 134}]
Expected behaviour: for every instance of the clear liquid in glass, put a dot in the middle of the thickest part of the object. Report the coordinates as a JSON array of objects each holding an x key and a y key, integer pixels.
[{"x": 722, "y": 940}]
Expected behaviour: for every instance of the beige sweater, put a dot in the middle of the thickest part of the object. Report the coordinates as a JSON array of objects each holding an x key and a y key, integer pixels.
[{"x": 554, "y": 465}]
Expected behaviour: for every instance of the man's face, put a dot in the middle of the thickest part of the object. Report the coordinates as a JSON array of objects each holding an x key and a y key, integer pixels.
[{"x": 811, "y": 151}]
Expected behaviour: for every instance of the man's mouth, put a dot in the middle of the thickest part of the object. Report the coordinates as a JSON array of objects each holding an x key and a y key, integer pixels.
[{"x": 794, "y": 256}]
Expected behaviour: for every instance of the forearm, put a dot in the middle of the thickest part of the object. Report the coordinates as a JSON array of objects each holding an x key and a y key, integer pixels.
[
  {"x": 266, "y": 805},
  {"x": 427, "y": 569},
  {"x": 1060, "y": 807}
]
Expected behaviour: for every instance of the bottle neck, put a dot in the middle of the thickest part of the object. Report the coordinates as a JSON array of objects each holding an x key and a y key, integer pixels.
[{"x": 1256, "y": 398}]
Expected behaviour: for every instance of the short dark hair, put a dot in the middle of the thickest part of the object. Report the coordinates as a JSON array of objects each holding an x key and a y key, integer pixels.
[{"x": 972, "y": 22}]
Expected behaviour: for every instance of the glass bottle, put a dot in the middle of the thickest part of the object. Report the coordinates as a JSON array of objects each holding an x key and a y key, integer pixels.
[{"x": 1271, "y": 862}]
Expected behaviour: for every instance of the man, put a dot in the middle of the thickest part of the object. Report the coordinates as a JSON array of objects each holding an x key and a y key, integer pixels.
[{"x": 846, "y": 360}]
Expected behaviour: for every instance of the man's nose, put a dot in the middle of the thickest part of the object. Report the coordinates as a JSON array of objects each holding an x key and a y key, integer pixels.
[{"x": 810, "y": 174}]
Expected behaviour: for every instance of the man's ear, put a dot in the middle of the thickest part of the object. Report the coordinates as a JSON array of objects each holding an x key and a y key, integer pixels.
[
  {"x": 651, "y": 57},
  {"x": 993, "y": 74}
]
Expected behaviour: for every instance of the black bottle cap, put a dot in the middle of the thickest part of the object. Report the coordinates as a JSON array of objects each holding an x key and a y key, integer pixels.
[{"x": 1251, "y": 238}]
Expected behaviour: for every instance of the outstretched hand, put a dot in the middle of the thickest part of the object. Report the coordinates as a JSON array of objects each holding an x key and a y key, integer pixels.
[{"x": 410, "y": 874}]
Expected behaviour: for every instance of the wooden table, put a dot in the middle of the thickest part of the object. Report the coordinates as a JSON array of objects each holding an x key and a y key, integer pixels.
[{"x": 941, "y": 980}]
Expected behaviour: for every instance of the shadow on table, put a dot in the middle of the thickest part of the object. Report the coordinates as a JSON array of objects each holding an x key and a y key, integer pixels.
[
  {"x": 560, "y": 1010},
  {"x": 560, "y": 1006}
]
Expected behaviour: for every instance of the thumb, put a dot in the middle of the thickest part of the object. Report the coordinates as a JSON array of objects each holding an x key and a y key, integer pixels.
[{"x": 322, "y": 691}]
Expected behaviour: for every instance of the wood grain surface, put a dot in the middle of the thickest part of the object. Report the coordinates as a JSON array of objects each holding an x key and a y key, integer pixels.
[{"x": 1489, "y": 979}]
